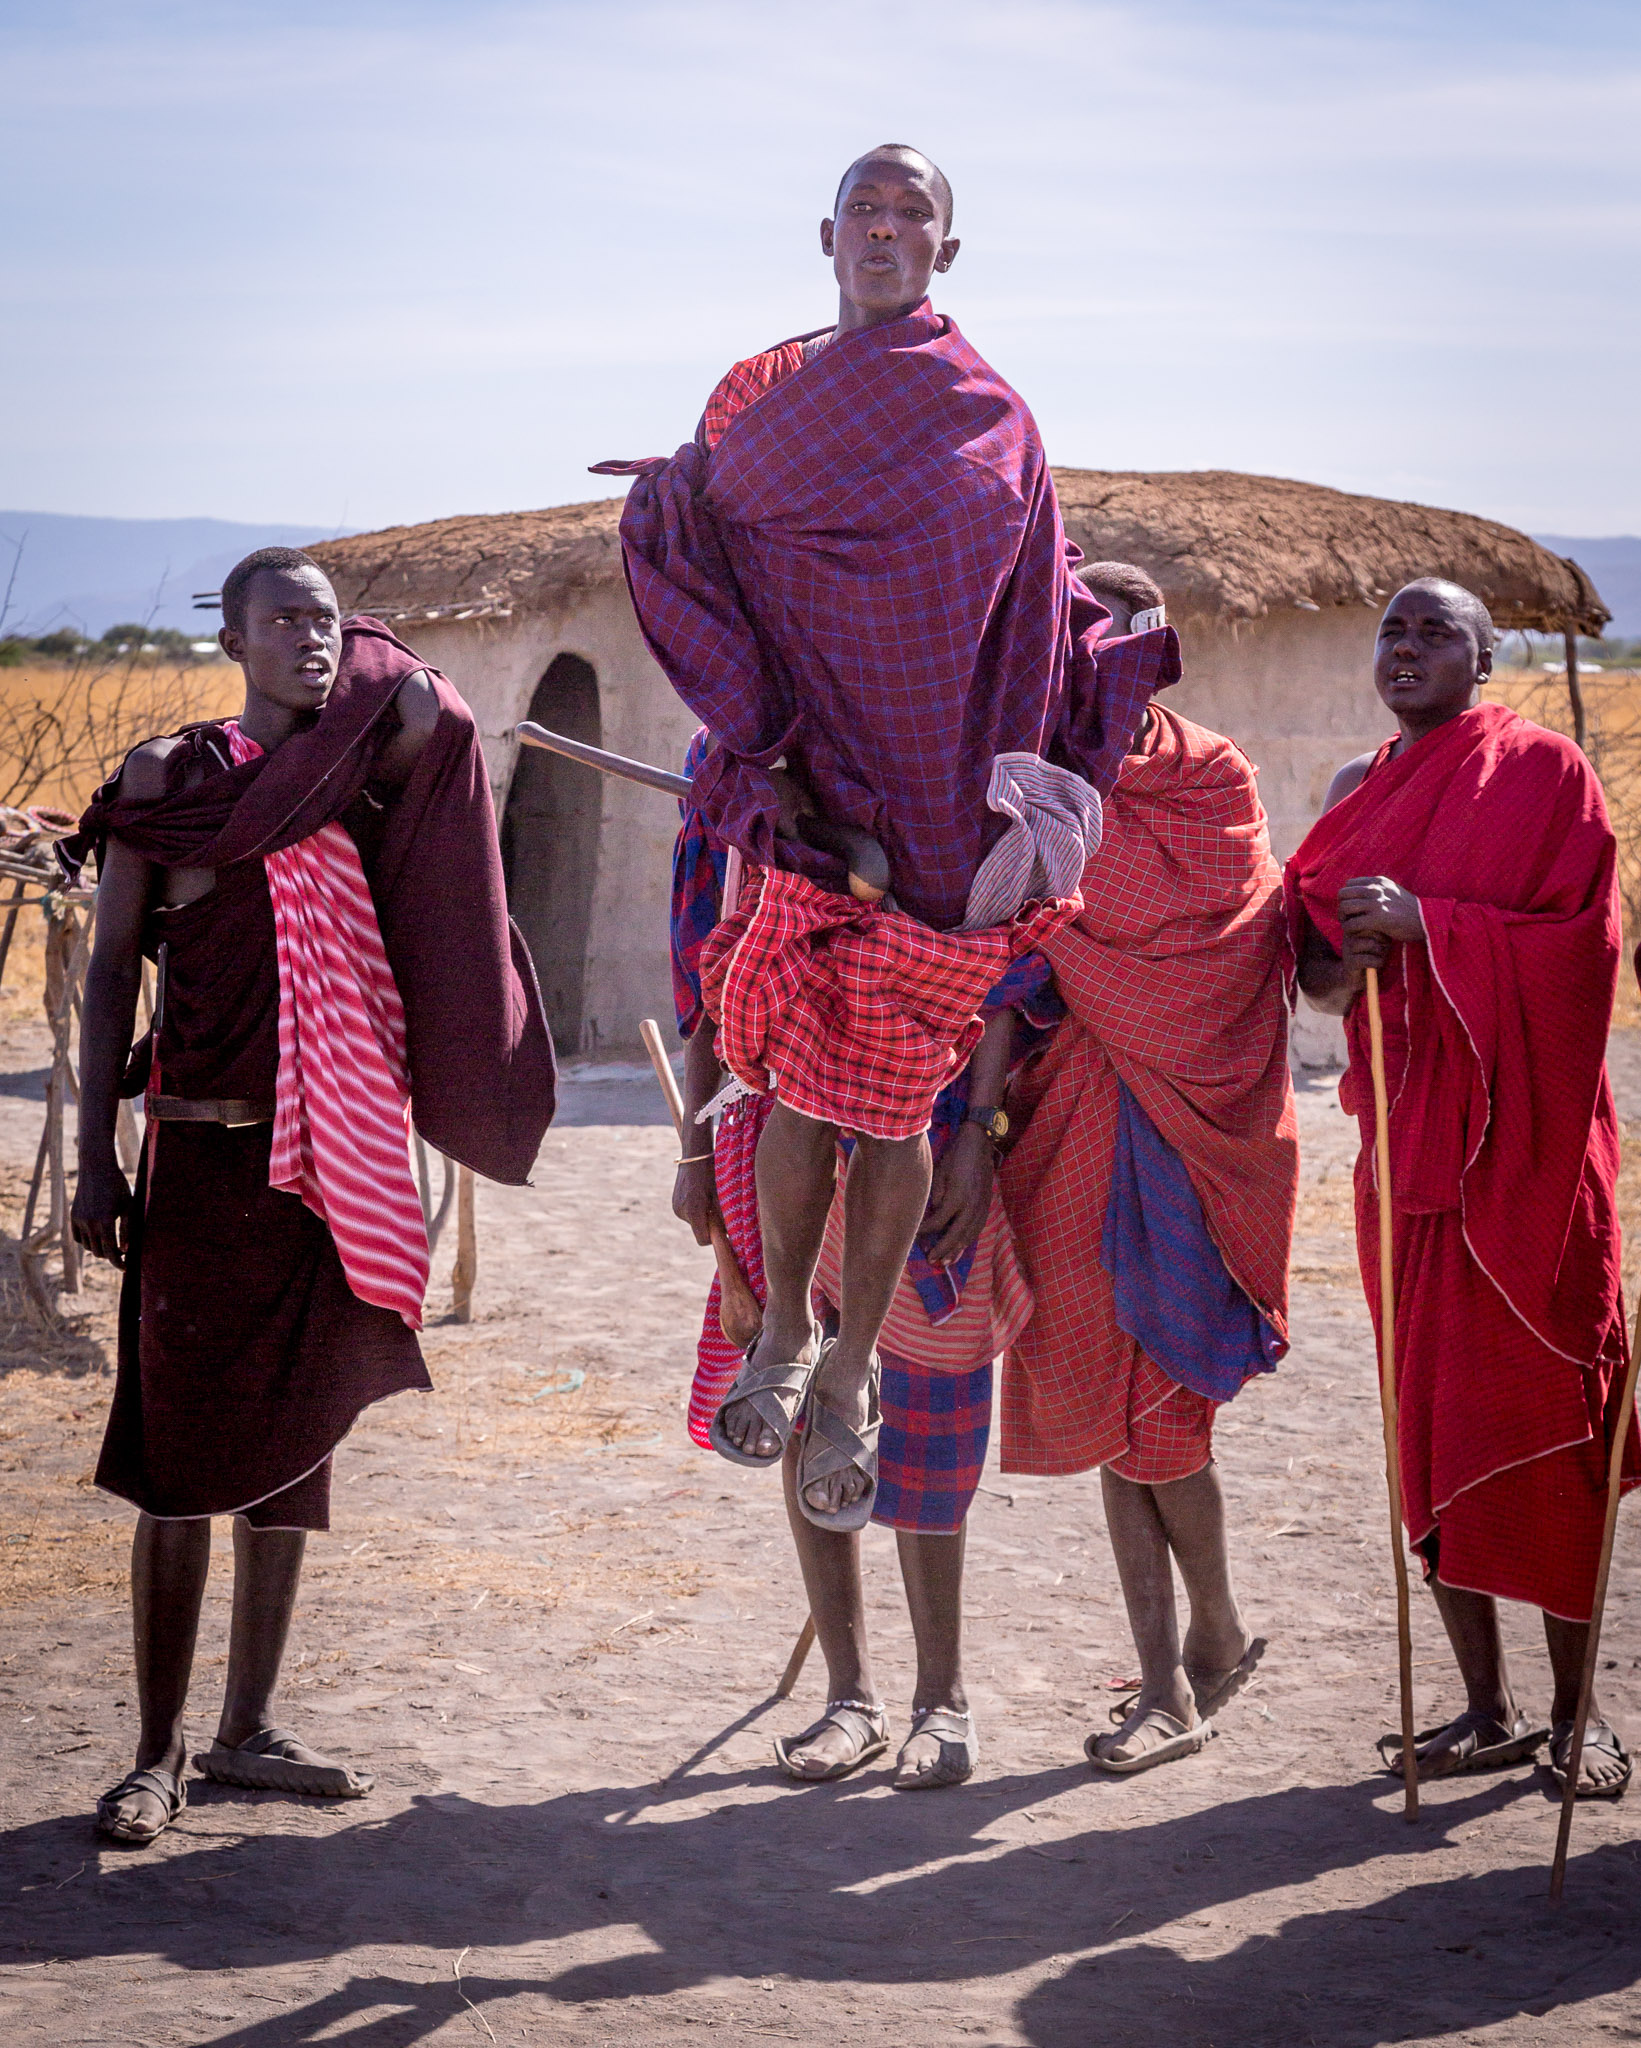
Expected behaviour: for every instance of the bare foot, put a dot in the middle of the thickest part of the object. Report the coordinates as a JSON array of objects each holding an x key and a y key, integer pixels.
[
  {"x": 851, "y": 1733},
  {"x": 143, "y": 1805}
]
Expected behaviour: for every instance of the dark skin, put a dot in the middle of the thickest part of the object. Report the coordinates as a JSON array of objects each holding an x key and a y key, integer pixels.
[
  {"x": 288, "y": 646},
  {"x": 889, "y": 238},
  {"x": 931, "y": 1566},
  {"x": 1432, "y": 657}
]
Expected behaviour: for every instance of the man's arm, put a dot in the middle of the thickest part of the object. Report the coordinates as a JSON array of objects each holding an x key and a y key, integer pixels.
[
  {"x": 417, "y": 703},
  {"x": 694, "y": 1193},
  {"x": 102, "y": 1198},
  {"x": 960, "y": 1194}
]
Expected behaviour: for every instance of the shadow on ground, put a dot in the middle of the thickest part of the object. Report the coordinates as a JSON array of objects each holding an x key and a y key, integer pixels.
[{"x": 840, "y": 1885}]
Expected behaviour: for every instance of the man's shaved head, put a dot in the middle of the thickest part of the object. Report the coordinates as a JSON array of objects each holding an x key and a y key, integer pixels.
[
  {"x": 900, "y": 153},
  {"x": 1464, "y": 602}
]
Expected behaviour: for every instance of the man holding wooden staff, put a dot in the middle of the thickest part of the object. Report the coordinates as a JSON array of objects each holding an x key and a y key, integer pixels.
[{"x": 1470, "y": 862}]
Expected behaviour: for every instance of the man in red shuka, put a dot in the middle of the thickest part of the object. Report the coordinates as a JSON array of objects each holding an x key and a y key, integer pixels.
[{"x": 1470, "y": 861}]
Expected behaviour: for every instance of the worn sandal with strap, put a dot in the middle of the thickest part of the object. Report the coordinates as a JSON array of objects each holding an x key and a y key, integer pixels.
[
  {"x": 254, "y": 1768},
  {"x": 1480, "y": 1744},
  {"x": 1604, "y": 1741},
  {"x": 831, "y": 1445},
  {"x": 863, "y": 1721},
  {"x": 165, "y": 1786},
  {"x": 1175, "y": 1741},
  {"x": 959, "y": 1747},
  {"x": 776, "y": 1394}
]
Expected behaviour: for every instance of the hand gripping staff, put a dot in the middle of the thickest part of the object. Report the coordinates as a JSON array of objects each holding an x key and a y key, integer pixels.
[{"x": 1387, "y": 1385}]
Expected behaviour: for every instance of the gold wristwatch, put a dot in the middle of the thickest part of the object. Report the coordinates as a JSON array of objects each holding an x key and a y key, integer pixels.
[{"x": 994, "y": 1122}]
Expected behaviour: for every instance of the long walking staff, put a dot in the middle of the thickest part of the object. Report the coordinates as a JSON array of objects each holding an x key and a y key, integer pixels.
[
  {"x": 1592, "y": 1646},
  {"x": 738, "y": 1312},
  {"x": 737, "y": 1305},
  {"x": 1387, "y": 1387}
]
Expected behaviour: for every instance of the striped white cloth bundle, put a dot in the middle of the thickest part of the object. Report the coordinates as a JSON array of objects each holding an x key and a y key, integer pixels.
[
  {"x": 342, "y": 1096},
  {"x": 1054, "y": 826}
]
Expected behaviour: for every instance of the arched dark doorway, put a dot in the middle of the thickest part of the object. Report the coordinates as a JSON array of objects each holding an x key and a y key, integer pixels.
[{"x": 549, "y": 845}]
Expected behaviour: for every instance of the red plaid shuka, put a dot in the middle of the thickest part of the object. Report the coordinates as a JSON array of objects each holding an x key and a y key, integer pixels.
[
  {"x": 854, "y": 1015},
  {"x": 1173, "y": 976}
]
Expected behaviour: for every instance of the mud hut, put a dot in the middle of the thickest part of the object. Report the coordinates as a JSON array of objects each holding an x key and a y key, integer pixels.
[{"x": 1275, "y": 587}]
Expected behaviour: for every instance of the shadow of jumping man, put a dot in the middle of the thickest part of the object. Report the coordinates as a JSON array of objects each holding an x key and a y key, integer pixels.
[{"x": 625, "y": 1895}]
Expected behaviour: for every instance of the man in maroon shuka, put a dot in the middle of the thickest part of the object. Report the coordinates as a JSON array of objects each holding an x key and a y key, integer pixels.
[
  {"x": 1470, "y": 862},
  {"x": 857, "y": 578},
  {"x": 319, "y": 884}
]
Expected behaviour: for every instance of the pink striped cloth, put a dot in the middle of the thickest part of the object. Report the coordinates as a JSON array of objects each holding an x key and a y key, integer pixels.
[{"x": 342, "y": 1097}]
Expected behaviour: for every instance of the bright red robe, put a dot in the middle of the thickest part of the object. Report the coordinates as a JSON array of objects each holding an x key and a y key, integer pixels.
[{"x": 1510, "y": 1333}]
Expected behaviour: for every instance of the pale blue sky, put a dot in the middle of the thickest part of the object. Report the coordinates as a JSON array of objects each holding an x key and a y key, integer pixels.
[{"x": 334, "y": 262}]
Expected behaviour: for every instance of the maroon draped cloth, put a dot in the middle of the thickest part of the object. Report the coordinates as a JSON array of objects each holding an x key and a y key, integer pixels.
[
  {"x": 482, "y": 1074},
  {"x": 868, "y": 575},
  {"x": 1510, "y": 1335}
]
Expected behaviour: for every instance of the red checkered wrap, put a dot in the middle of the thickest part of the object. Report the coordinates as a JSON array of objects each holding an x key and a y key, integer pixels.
[
  {"x": 1173, "y": 975},
  {"x": 932, "y": 1446},
  {"x": 1170, "y": 1429},
  {"x": 855, "y": 1015},
  {"x": 717, "y": 1361},
  {"x": 744, "y": 383}
]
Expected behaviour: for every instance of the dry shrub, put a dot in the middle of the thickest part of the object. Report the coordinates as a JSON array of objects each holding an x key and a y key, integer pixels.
[{"x": 65, "y": 726}]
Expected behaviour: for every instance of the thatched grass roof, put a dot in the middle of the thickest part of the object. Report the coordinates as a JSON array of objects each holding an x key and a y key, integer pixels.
[{"x": 1221, "y": 545}]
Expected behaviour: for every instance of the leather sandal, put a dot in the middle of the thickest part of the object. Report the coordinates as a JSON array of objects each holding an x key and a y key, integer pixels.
[
  {"x": 777, "y": 1394},
  {"x": 865, "y": 1723},
  {"x": 959, "y": 1742},
  {"x": 165, "y": 1786},
  {"x": 831, "y": 1445}
]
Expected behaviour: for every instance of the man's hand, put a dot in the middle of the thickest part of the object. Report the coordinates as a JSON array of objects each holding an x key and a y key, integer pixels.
[
  {"x": 1375, "y": 906},
  {"x": 101, "y": 1220},
  {"x": 695, "y": 1197},
  {"x": 960, "y": 1195}
]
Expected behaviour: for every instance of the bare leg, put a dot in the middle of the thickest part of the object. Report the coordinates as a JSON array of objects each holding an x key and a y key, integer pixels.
[
  {"x": 830, "y": 1563},
  {"x": 1139, "y": 1541},
  {"x": 1193, "y": 1516},
  {"x": 1566, "y": 1641},
  {"x": 267, "y": 1572},
  {"x": 170, "y": 1562},
  {"x": 884, "y": 1201},
  {"x": 797, "y": 1169},
  {"x": 932, "y": 1568}
]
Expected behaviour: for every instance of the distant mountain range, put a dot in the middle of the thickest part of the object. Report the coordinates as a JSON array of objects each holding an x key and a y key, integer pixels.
[{"x": 97, "y": 573}]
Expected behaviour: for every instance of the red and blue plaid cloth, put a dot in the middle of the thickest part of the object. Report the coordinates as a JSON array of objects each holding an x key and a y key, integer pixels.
[
  {"x": 1026, "y": 987},
  {"x": 868, "y": 575}
]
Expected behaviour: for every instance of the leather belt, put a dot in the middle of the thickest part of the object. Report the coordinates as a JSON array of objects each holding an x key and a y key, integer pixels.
[{"x": 185, "y": 1109}]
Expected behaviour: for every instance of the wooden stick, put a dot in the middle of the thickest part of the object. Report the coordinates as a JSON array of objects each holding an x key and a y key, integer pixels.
[
  {"x": 1592, "y": 1646},
  {"x": 466, "y": 1269},
  {"x": 1387, "y": 1387},
  {"x": 739, "y": 1315},
  {"x": 794, "y": 1663}
]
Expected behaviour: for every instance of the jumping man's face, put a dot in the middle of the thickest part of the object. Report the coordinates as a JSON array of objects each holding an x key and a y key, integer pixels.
[
  {"x": 889, "y": 238},
  {"x": 291, "y": 641},
  {"x": 1429, "y": 664}
]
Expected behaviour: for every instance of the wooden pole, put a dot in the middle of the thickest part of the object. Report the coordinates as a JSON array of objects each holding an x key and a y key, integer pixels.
[
  {"x": 466, "y": 1269},
  {"x": 1592, "y": 1646},
  {"x": 1575, "y": 695},
  {"x": 1387, "y": 1387},
  {"x": 794, "y": 1663},
  {"x": 739, "y": 1315}
]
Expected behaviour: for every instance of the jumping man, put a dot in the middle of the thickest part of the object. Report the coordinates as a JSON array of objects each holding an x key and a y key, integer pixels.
[{"x": 857, "y": 569}]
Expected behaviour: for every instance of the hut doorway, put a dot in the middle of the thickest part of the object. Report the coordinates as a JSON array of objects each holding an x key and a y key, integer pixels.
[{"x": 549, "y": 845}]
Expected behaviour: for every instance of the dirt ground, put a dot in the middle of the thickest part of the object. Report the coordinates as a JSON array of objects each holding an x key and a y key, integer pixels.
[{"x": 552, "y": 1629}]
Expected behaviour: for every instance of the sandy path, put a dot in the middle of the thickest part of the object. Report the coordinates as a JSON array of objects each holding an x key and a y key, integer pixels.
[{"x": 552, "y": 1628}]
